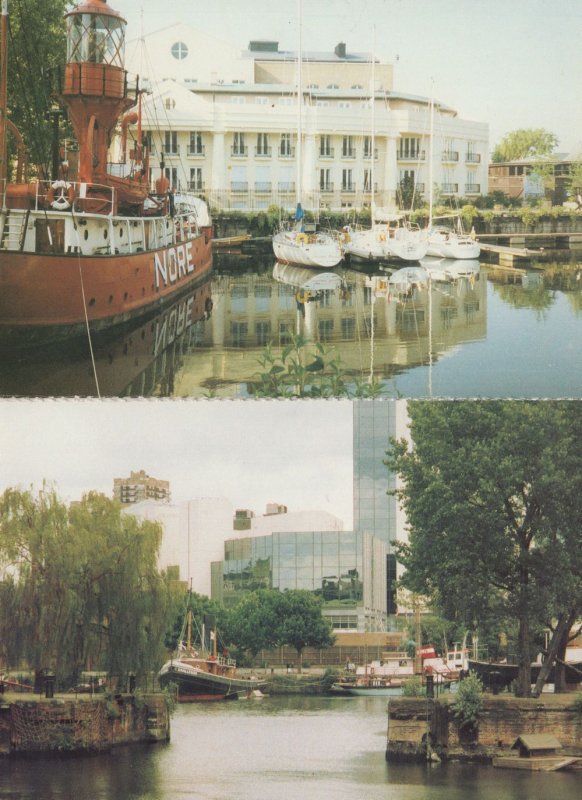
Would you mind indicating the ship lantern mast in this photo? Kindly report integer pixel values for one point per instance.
(95, 85)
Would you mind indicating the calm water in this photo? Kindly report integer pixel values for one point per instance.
(495, 335)
(273, 749)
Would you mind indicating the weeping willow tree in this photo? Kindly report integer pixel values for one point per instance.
(80, 586)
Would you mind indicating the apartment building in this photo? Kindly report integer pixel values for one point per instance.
(232, 134)
(140, 486)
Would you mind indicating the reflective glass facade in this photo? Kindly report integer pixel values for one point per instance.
(346, 569)
(376, 511)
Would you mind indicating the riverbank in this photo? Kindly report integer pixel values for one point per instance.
(33, 725)
(418, 727)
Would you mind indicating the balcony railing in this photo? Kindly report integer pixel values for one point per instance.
(174, 150)
(348, 187)
(262, 186)
(286, 186)
(367, 188)
(192, 152)
(450, 155)
(263, 152)
(239, 186)
(287, 152)
(449, 188)
(415, 155)
(472, 188)
(349, 152)
(238, 151)
(329, 152)
(472, 158)
(196, 186)
(326, 187)
(368, 154)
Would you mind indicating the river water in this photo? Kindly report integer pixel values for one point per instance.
(496, 334)
(273, 749)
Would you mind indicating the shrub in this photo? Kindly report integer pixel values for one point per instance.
(468, 702)
(413, 687)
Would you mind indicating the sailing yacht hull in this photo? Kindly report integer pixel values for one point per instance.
(456, 247)
(301, 250)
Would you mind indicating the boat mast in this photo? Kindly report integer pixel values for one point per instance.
(3, 98)
(430, 159)
(373, 136)
(299, 188)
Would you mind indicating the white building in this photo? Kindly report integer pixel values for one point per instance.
(290, 522)
(225, 125)
(193, 537)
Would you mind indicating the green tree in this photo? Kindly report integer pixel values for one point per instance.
(268, 618)
(80, 586)
(574, 181)
(301, 623)
(493, 496)
(30, 58)
(525, 143)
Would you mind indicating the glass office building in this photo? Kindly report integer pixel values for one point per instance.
(346, 569)
(375, 510)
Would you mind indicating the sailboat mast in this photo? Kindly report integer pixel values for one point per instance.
(3, 97)
(299, 188)
(430, 160)
(373, 136)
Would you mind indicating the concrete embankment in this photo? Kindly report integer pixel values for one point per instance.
(418, 727)
(92, 724)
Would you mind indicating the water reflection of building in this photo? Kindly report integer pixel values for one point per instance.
(345, 569)
(252, 310)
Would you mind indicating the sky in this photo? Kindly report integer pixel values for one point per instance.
(509, 63)
(298, 453)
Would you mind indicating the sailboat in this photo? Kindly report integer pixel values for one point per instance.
(94, 246)
(383, 242)
(444, 241)
(297, 244)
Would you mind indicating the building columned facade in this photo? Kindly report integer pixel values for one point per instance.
(230, 134)
(346, 569)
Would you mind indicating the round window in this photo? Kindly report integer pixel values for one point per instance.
(179, 50)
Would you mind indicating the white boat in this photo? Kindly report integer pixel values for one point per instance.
(444, 242)
(407, 243)
(297, 245)
(316, 249)
(369, 244)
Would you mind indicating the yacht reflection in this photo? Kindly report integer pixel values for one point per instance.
(139, 361)
(353, 311)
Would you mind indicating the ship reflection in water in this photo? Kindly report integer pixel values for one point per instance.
(478, 332)
(138, 361)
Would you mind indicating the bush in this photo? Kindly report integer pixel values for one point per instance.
(468, 702)
(413, 687)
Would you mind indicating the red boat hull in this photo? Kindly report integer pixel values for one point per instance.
(51, 291)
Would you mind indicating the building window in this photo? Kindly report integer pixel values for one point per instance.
(238, 144)
(171, 174)
(325, 148)
(409, 148)
(239, 331)
(263, 332)
(179, 51)
(347, 182)
(348, 150)
(171, 143)
(286, 148)
(195, 184)
(325, 184)
(263, 148)
(195, 148)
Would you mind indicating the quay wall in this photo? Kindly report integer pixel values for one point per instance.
(62, 725)
(420, 726)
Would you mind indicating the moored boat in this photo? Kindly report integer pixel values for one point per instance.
(200, 673)
(93, 246)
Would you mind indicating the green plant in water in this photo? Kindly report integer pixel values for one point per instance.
(303, 370)
(468, 702)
